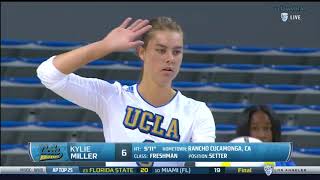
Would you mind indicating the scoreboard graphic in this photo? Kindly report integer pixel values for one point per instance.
(157, 152)
(157, 170)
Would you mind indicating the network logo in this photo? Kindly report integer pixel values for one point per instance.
(284, 17)
(290, 17)
(268, 169)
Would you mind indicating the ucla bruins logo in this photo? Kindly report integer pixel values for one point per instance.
(138, 118)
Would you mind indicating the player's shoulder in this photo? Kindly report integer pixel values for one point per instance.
(123, 86)
(128, 88)
(190, 102)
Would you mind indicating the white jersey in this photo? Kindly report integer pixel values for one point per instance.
(128, 118)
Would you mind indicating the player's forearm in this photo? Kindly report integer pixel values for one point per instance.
(71, 61)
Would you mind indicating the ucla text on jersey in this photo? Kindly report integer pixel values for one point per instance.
(137, 118)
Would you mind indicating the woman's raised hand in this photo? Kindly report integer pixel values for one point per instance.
(127, 35)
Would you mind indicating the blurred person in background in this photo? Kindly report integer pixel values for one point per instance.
(259, 121)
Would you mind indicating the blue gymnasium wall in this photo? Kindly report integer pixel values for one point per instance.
(229, 23)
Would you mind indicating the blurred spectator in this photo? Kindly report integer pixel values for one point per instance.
(259, 121)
